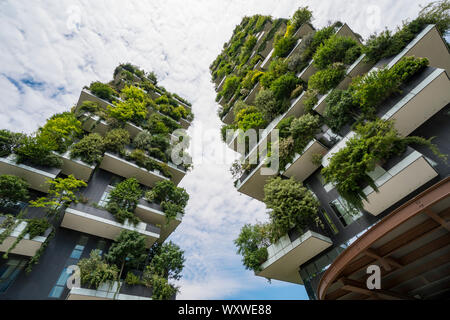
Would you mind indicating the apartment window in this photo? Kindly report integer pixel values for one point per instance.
(344, 212)
(330, 222)
(77, 251)
(101, 246)
(104, 199)
(9, 272)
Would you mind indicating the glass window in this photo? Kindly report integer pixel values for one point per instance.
(333, 227)
(104, 199)
(9, 272)
(343, 211)
(56, 292)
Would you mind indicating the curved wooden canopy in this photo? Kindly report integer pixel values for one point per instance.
(412, 247)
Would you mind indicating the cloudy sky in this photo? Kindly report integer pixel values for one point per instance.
(50, 49)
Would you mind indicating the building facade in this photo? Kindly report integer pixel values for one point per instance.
(122, 131)
(294, 74)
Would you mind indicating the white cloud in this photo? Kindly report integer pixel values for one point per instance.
(68, 44)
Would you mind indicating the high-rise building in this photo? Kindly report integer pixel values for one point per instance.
(58, 199)
(360, 188)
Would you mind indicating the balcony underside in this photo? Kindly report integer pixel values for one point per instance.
(77, 168)
(35, 177)
(103, 226)
(285, 256)
(253, 185)
(127, 169)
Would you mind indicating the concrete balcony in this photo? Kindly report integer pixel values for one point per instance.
(152, 213)
(252, 183)
(420, 46)
(92, 123)
(252, 95)
(36, 176)
(87, 95)
(307, 72)
(76, 167)
(302, 167)
(265, 64)
(109, 291)
(101, 223)
(26, 247)
(228, 118)
(286, 255)
(295, 49)
(404, 177)
(221, 83)
(304, 29)
(423, 98)
(124, 168)
(345, 31)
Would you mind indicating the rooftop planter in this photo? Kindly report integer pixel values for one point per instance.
(35, 175)
(26, 247)
(405, 174)
(101, 223)
(289, 252)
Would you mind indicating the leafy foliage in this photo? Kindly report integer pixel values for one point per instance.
(339, 109)
(293, 206)
(116, 139)
(123, 199)
(334, 50)
(252, 244)
(250, 118)
(9, 142)
(61, 194)
(101, 90)
(173, 199)
(89, 149)
(324, 80)
(94, 270)
(128, 250)
(12, 190)
(36, 151)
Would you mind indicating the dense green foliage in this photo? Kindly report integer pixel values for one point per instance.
(173, 199)
(89, 149)
(9, 142)
(103, 91)
(327, 79)
(60, 131)
(335, 49)
(252, 244)
(12, 190)
(123, 199)
(95, 271)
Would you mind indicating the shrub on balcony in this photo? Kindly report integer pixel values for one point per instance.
(373, 143)
(303, 129)
(61, 194)
(12, 190)
(142, 160)
(324, 80)
(284, 127)
(36, 151)
(283, 86)
(128, 250)
(90, 149)
(123, 199)
(229, 87)
(132, 110)
(101, 90)
(116, 140)
(144, 140)
(250, 118)
(339, 110)
(293, 206)
(334, 49)
(266, 102)
(318, 38)
(94, 270)
(310, 100)
(9, 142)
(162, 289)
(370, 90)
(252, 245)
(166, 260)
(60, 131)
(283, 46)
(301, 15)
(386, 44)
(173, 199)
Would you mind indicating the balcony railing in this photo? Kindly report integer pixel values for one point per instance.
(26, 247)
(35, 175)
(108, 291)
(101, 223)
